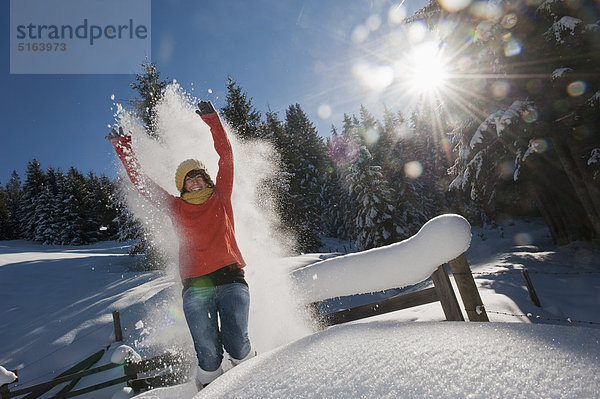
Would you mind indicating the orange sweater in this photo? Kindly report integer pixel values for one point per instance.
(206, 232)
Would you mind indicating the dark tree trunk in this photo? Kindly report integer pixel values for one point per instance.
(558, 204)
(578, 185)
(579, 152)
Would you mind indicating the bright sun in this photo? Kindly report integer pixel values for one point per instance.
(427, 72)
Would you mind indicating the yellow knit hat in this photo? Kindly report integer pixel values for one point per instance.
(184, 168)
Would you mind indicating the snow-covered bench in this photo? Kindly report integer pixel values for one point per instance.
(441, 240)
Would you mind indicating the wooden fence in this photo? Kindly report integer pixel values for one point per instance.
(441, 291)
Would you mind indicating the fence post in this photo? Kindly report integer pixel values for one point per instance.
(446, 295)
(468, 290)
(532, 294)
(117, 322)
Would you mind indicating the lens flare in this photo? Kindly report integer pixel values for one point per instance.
(454, 5)
(175, 313)
(530, 115)
(371, 136)
(324, 111)
(486, 10)
(374, 77)
(500, 89)
(373, 22)
(344, 149)
(539, 145)
(416, 32)
(413, 169)
(512, 48)
(360, 34)
(507, 170)
(509, 20)
(396, 15)
(576, 88)
(446, 28)
(523, 239)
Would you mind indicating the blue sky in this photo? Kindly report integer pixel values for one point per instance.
(279, 52)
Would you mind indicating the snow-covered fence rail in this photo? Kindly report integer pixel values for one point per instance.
(441, 240)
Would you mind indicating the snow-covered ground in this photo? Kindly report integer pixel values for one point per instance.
(56, 304)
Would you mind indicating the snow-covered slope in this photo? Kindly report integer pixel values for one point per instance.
(55, 306)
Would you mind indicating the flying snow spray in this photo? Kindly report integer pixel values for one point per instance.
(276, 317)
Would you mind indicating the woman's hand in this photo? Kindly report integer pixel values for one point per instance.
(114, 134)
(205, 108)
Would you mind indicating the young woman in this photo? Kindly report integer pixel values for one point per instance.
(210, 262)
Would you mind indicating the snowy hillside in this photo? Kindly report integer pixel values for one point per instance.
(56, 305)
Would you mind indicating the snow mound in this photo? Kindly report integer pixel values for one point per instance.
(124, 393)
(6, 377)
(440, 240)
(424, 360)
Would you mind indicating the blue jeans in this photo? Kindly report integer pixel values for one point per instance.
(201, 305)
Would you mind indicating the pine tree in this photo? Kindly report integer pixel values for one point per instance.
(13, 203)
(34, 184)
(273, 130)
(277, 186)
(305, 160)
(44, 231)
(374, 220)
(239, 112)
(4, 215)
(107, 214)
(345, 150)
(128, 226)
(98, 215)
(74, 233)
(60, 210)
(390, 132)
(369, 132)
(372, 196)
(47, 229)
(334, 198)
(432, 157)
(150, 87)
(56, 209)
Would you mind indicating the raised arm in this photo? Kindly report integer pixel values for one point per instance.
(224, 182)
(145, 186)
